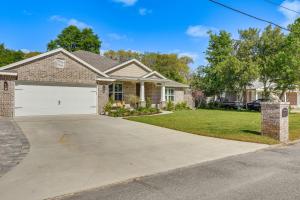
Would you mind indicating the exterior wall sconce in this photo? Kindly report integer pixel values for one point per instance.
(5, 86)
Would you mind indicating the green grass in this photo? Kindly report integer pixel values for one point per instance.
(234, 125)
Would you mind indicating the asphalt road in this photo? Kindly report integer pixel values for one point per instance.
(271, 174)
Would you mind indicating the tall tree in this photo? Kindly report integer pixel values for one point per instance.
(219, 55)
(287, 61)
(8, 56)
(122, 55)
(271, 42)
(246, 53)
(73, 39)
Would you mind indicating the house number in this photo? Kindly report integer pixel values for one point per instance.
(285, 112)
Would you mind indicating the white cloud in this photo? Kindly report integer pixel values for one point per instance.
(69, 22)
(116, 36)
(144, 11)
(198, 31)
(126, 2)
(290, 16)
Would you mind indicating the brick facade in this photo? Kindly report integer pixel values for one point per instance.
(102, 91)
(44, 70)
(7, 96)
(273, 122)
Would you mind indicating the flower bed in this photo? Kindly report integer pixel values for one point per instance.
(124, 112)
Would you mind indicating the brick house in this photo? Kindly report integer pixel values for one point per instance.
(61, 82)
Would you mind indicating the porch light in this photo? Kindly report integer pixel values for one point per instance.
(5, 86)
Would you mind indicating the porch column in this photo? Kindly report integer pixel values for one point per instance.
(142, 94)
(163, 96)
(285, 97)
(256, 95)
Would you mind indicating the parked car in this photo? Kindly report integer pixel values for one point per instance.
(232, 104)
(255, 105)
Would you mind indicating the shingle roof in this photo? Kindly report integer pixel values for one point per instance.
(172, 83)
(101, 63)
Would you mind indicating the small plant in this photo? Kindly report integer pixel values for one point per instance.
(133, 101)
(181, 106)
(108, 107)
(170, 106)
(148, 102)
(202, 104)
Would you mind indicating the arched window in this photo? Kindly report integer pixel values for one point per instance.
(5, 86)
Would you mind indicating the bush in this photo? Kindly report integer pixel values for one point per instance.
(202, 104)
(182, 106)
(123, 112)
(148, 102)
(170, 106)
(133, 101)
(108, 106)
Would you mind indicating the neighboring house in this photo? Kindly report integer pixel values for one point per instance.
(60, 82)
(256, 89)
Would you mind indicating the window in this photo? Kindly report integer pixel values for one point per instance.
(5, 86)
(59, 63)
(170, 94)
(116, 91)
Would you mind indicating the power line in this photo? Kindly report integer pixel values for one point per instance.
(279, 5)
(249, 15)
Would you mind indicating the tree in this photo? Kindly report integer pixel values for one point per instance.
(122, 55)
(216, 76)
(246, 54)
(271, 42)
(73, 39)
(287, 62)
(8, 56)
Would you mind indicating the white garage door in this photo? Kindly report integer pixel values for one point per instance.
(54, 100)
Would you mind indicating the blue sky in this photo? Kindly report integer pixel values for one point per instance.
(167, 26)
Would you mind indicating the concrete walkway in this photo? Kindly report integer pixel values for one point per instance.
(13, 145)
(74, 153)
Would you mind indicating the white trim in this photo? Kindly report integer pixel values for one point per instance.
(8, 73)
(154, 73)
(106, 79)
(127, 62)
(50, 53)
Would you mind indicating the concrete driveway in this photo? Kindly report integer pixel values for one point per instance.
(74, 153)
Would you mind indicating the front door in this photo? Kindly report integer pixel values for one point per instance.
(138, 87)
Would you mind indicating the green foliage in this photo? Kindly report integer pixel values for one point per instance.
(108, 106)
(8, 56)
(182, 106)
(133, 100)
(73, 39)
(148, 102)
(169, 65)
(123, 112)
(170, 106)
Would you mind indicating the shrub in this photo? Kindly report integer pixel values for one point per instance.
(133, 101)
(108, 106)
(148, 102)
(202, 104)
(170, 106)
(181, 106)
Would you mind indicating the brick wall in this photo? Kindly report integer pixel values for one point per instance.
(273, 123)
(44, 70)
(129, 88)
(103, 97)
(152, 91)
(7, 97)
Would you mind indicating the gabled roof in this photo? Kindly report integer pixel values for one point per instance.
(155, 73)
(102, 63)
(13, 65)
(126, 63)
(172, 83)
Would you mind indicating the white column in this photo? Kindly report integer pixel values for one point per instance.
(285, 97)
(142, 91)
(256, 95)
(163, 93)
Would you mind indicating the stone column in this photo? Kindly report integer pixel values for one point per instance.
(142, 94)
(163, 96)
(103, 97)
(7, 95)
(275, 120)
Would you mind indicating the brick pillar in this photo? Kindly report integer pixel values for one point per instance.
(7, 96)
(275, 120)
(103, 97)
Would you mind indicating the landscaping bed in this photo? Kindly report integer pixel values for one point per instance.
(234, 125)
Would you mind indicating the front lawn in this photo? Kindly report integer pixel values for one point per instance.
(235, 125)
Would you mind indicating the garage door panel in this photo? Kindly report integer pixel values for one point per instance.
(54, 100)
